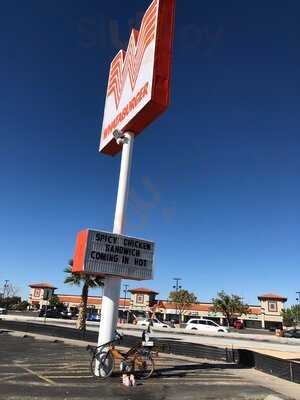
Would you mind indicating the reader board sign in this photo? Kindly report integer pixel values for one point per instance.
(102, 253)
(138, 88)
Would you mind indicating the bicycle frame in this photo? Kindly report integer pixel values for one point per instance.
(137, 355)
(117, 354)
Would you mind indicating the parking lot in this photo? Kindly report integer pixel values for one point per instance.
(32, 368)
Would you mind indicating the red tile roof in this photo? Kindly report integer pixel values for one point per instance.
(200, 307)
(92, 300)
(76, 299)
(42, 285)
(142, 290)
(254, 310)
(204, 307)
(271, 296)
(193, 307)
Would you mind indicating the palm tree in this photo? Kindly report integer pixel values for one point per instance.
(88, 282)
(229, 305)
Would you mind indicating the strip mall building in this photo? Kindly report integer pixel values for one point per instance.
(142, 301)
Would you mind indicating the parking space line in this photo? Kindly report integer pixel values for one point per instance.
(43, 378)
(58, 367)
(65, 370)
(8, 373)
(70, 376)
(13, 376)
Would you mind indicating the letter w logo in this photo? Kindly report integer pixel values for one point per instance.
(129, 63)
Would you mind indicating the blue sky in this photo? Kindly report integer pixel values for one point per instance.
(215, 180)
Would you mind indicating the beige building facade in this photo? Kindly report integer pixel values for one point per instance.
(143, 302)
(271, 308)
(39, 294)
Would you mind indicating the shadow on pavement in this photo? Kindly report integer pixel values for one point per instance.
(194, 367)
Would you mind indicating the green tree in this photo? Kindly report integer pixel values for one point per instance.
(88, 282)
(229, 305)
(55, 302)
(183, 299)
(22, 305)
(291, 316)
(10, 302)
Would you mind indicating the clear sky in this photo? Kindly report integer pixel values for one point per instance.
(215, 180)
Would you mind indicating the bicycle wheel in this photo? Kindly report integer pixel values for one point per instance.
(143, 366)
(102, 364)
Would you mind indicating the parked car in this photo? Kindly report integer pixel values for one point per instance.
(156, 323)
(238, 324)
(292, 333)
(3, 310)
(205, 325)
(65, 314)
(272, 328)
(94, 317)
(49, 313)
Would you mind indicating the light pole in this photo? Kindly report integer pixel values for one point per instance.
(177, 287)
(126, 286)
(297, 307)
(5, 288)
(46, 303)
(5, 291)
(263, 313)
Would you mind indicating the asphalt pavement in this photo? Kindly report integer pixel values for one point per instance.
(257, 342)
(48, 369)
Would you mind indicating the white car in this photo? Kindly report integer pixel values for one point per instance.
(156, 323)
(205, 325)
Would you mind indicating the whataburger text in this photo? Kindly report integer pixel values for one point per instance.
(133, 103)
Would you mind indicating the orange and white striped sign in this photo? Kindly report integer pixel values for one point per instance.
(139, 79)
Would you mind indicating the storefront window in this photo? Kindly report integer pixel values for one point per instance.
(272, 306)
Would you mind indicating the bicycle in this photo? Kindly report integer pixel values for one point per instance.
(137, 360)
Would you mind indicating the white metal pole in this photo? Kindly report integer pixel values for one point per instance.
(112, 285)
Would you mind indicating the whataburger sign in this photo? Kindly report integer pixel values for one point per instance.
(139, 79)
